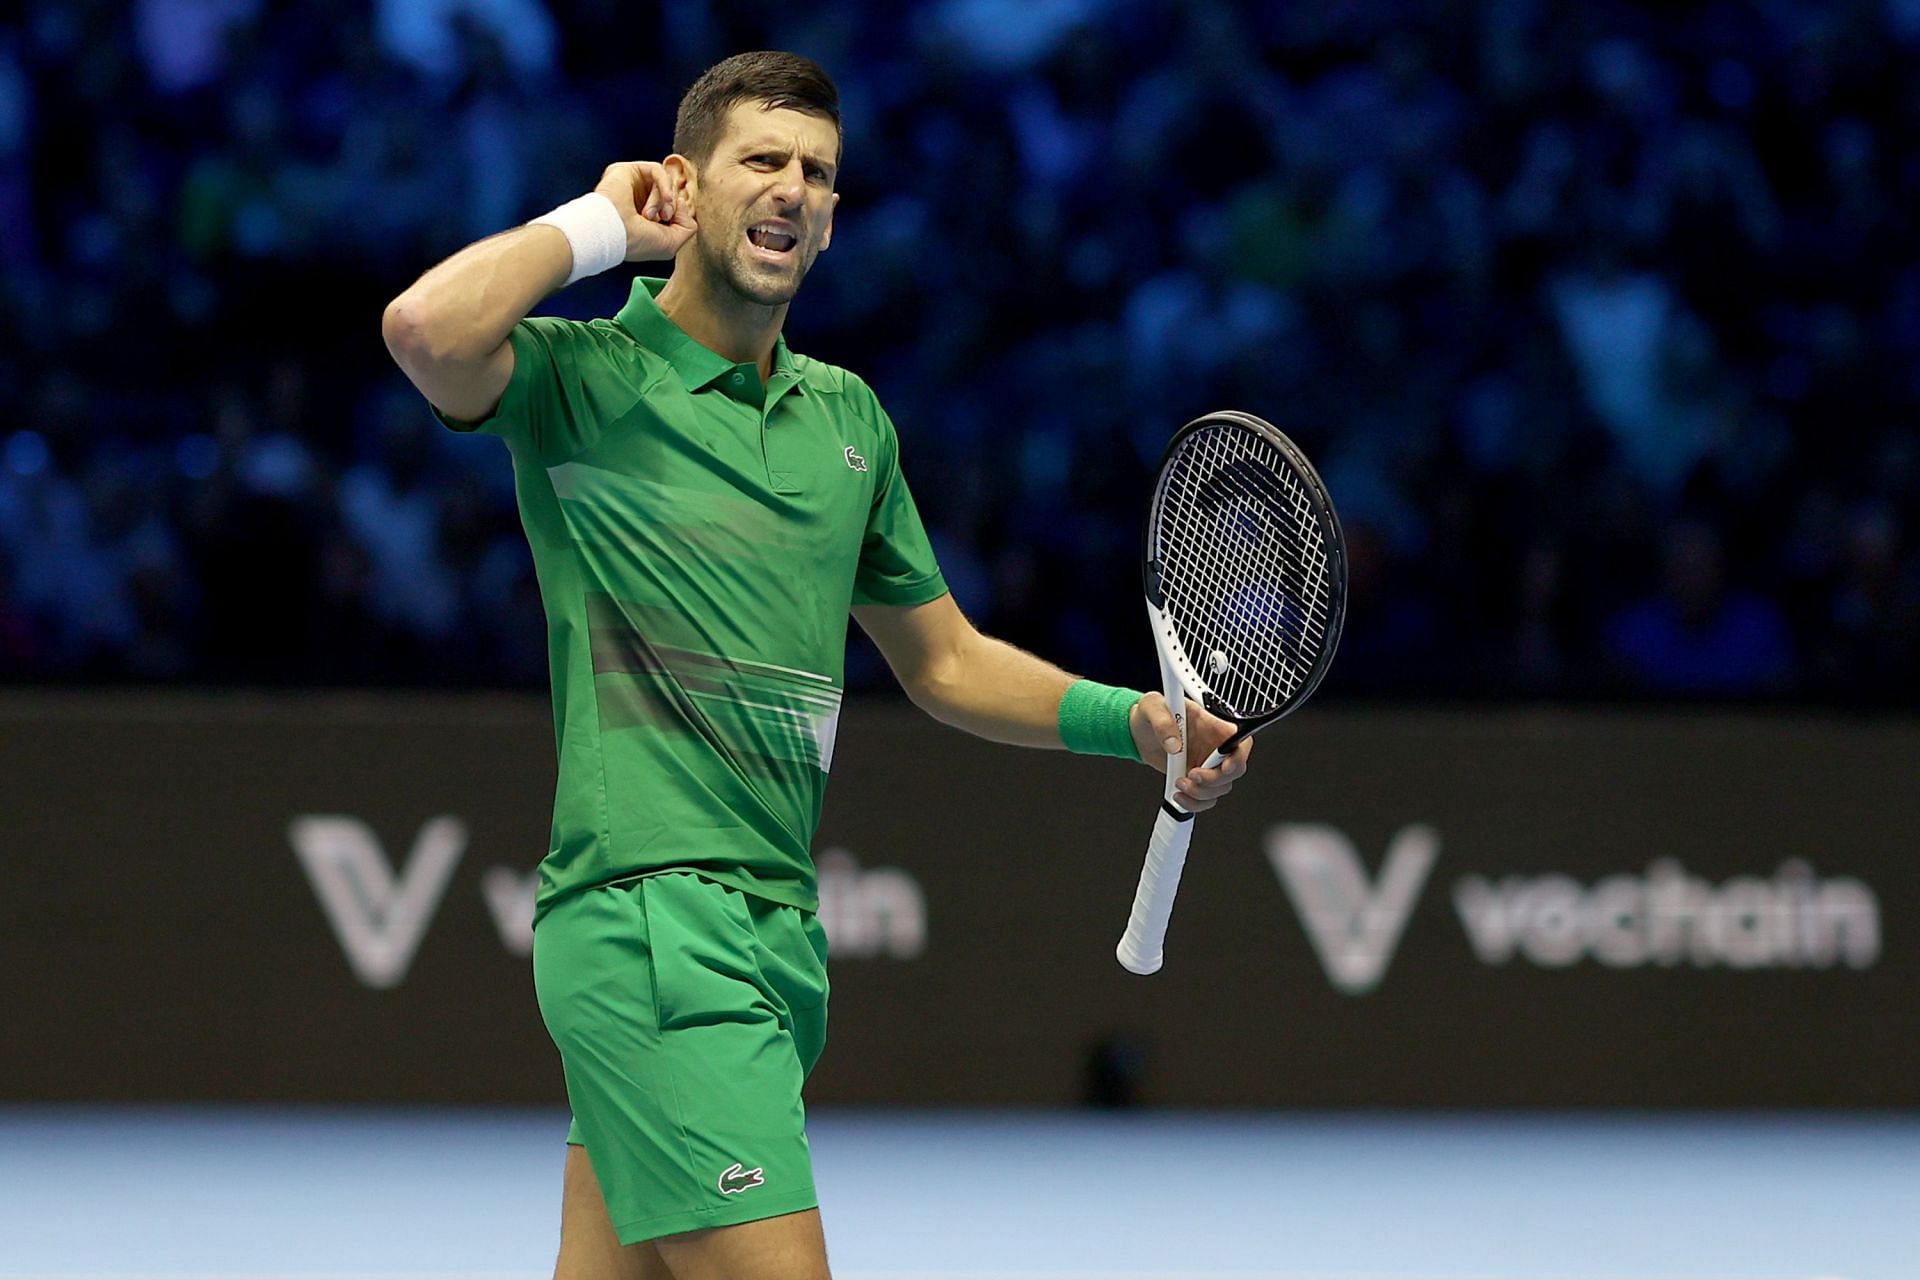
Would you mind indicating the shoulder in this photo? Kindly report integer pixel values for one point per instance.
(832, 380)
(588, 344)
(844, 389)
(587, 336)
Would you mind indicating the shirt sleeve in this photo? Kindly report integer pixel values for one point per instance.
(897, 565)
(547, 401)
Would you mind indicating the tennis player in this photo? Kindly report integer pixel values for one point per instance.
(705, 507)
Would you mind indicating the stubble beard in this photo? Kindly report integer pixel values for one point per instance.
(729, 265)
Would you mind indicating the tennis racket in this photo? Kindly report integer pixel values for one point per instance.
(1246, 583)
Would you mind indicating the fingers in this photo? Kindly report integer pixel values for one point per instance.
(1200, 787)
(1160, 722)
(659, 204)
(621, 183)
(640, 185)
(655, 208)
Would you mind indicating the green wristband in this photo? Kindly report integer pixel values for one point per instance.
(1094, 720)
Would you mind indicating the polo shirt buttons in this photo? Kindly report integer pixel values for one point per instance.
(738, 377)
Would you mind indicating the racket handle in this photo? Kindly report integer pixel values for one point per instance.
(1141, 946)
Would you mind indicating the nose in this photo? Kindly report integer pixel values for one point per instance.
(790, 184)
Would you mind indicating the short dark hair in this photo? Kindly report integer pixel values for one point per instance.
(773, 79)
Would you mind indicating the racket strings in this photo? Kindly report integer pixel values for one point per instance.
(1278, 642)
(1244, 612)
(1244, 567)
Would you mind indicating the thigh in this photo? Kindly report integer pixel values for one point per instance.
(683, 1077)
(589, 1249)
(790, 1247)
(793, 967)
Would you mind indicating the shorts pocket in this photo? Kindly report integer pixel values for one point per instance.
(704, 966)
(794, 956)
(794, 960)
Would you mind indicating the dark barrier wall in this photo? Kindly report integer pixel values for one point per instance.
(327, 898)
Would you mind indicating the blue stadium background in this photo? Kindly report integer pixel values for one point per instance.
(1603, 320)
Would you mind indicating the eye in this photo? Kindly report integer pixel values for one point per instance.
(816, 174)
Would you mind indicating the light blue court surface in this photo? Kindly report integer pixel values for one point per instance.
(196, 1192)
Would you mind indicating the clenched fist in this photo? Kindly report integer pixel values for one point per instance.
(1156, 736)
(657, 223)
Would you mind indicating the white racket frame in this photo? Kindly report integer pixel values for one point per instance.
(1142, 947)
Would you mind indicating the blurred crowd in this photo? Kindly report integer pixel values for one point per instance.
(1603, 321)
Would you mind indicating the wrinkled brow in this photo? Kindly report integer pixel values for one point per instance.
(782, 149)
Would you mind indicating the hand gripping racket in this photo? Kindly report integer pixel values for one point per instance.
(1246, 582)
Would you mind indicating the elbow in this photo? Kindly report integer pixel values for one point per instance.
(935, 689)
(405, 331)
(418, 338)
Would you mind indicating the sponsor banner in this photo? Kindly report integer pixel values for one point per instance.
(330, 898)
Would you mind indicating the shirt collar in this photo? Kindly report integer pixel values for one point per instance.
(697, 365)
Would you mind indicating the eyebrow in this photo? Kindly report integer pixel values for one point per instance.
(782, 149)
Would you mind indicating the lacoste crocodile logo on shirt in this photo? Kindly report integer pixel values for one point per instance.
(855, 461)
(734, 1179)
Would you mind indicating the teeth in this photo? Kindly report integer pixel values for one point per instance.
(761, 235)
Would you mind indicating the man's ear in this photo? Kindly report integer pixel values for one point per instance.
(683, 177)
(826, 235)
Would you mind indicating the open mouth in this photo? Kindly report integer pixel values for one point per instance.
(772, 239)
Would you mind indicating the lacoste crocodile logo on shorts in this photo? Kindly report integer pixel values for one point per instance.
(855, 461)
(735, 1180)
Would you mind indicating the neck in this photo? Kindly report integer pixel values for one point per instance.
(718, 318)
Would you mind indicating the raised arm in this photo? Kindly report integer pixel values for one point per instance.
(994, 690)
(448, 331)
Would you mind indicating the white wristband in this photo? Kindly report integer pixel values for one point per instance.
(595, 232)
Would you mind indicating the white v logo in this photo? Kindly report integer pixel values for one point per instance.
(378, 920)
(1354, 931)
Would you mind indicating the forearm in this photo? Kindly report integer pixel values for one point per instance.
(996, 691)
(448, 332)
(463, 309)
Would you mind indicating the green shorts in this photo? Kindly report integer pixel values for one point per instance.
(687, 1015)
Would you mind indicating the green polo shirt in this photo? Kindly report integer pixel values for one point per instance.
(698, 539)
